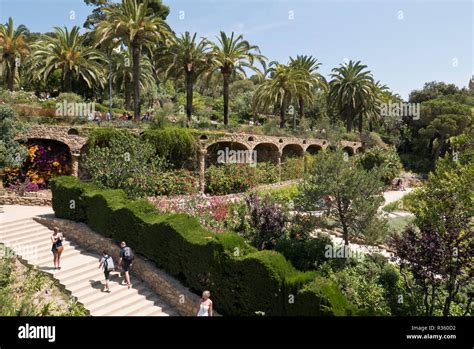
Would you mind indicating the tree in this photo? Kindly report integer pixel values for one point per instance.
(285, 85)
(122, 74)
(309, 67)
(351, 91)
(355, 193)
(432, 90)
(443, 119)
(65, 50)
(134, 23)
(13, 47)
(231, 56)
(439, 255)
(189, 58)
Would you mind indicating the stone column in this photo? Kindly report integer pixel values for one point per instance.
(75, 155)
(202, 169)
(280, 154)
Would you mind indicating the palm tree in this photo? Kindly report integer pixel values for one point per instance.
(12, 46)
(285, 85)
(189, 58)
(122, 74)
(138, 28)
(65, 50)
(351, 91)
(230, 56)
(308, 66)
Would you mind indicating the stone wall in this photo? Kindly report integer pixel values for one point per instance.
(42, 198)
(168, 288)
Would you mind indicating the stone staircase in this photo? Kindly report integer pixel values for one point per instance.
(80, 273)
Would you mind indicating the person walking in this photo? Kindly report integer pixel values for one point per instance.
(205, 308)
(125, 261)
(57, 248)
(107, 263)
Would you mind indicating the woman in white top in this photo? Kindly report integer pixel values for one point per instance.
(205, 308)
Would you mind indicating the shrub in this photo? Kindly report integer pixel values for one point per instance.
(282, 195)
(292, 168)
(230, 178)
(267, 220)
(266, 173)
(176, 145)
(386, 161)
(305, 254)
(242, 280)
(69, 97)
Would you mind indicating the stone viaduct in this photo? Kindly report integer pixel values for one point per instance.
(268, 148)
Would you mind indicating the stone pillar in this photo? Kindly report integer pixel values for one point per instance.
(202, 169)
(75, 163)
(280, 154)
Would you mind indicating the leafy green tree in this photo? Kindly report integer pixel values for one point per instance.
(351, 91)
(230, 56)
(355, 195)
(13, 47)
(65, 50)
(385, 161)
(432, 90)
(186, 57)
(439, 255)
(137, 27)
(443, 119)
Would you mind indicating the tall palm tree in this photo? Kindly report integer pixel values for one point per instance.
(230, 56)
(351, 91)
(65, 50)
(122, 74)
(132, 21)
(12, 46)
(308, 66)
(285, 85)
(189, 58)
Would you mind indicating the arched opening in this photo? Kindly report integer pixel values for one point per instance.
(292, 150)
(73, 132)
(203, 137)
(251, 139)
(267, 152)
(359, 150)
(223, 152)
(348, 150)
(293, 163)
(46, 159)
(313, 149)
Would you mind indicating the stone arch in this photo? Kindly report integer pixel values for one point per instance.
(214, 148)
(54, 147)
(267, 152)
(292, 150)
(348, 150)
(313, 149)
(73, 132)
(359, 150)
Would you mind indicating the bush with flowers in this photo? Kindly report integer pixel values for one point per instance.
(45, 160)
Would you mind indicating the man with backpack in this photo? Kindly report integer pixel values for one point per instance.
(126, 259)
(107, 263)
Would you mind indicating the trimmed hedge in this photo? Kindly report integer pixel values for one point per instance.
(242, 280)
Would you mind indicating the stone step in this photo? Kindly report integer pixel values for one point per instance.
(11, 234)
(136, 300)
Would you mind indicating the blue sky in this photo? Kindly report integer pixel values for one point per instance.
(404, 43)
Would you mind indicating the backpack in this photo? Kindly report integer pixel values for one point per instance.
(128, 254)
(108, 263)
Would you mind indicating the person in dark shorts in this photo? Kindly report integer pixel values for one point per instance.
(57, 248)
(107, 263)
(126, 259)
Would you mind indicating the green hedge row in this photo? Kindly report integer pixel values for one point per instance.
(241, 279)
